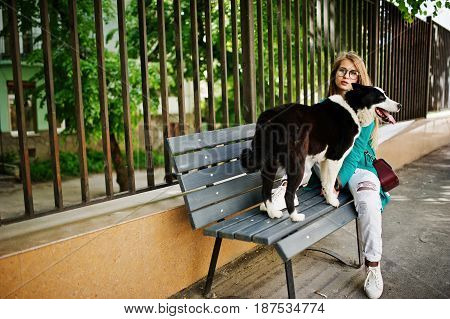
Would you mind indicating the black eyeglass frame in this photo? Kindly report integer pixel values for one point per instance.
(354, 77)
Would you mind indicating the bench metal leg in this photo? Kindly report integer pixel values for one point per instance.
(212, 266)
(342, 259)
(289, 279)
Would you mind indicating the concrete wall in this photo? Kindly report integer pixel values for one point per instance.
(152, 256)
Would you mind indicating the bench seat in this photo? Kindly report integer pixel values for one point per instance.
(223, 200)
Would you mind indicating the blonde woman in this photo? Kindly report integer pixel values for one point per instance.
(357, 172)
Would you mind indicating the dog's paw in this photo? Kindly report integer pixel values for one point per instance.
(333, 201)
(275, 214)
(296, 217)
(263, 207)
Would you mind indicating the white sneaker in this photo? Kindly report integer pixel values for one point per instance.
(373, 285)
(278, 198)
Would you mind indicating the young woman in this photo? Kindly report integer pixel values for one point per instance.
(358, 173)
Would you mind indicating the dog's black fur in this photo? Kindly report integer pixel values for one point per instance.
(285, 135)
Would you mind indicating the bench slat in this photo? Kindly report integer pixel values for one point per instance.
(217, 193)
(247, 234)
(283, 229)
(189, 161)
(186, 143)
(212, 213)
(221, 227)
(210, 175)
(214, 229)
(312, 233)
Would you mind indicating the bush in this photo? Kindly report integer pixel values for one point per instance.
(41, 170)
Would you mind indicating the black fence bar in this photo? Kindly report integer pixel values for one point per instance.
(271, 53)
(338, 18)
(223, 65)
(298, 84)
(402, 68)
(381, 49)
(305, 22)
(195, 64)
(280, 19)
(261, 84)
(326, 27)
(78, 100)
(318, 41)
(289, 51)
(51, 108)
(180, 65)
(145, 92)
(20, 109)
(164, 85)
(409, 68)
(396, 55)
(332, 14)
(387, 49)
(236, 86)
(103, 97)
(311, 12)
(125, 94)
(209, 67)
(365, 31)
(248, 60)
(353, 22)
(358, 27)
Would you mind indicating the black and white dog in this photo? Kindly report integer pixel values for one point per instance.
(296, 136)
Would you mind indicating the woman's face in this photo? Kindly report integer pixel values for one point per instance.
(343, 82)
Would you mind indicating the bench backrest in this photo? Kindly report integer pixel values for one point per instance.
(207, 166)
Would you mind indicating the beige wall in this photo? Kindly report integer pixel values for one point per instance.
(152, 257)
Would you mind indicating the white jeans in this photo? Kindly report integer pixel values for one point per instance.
(365, 188)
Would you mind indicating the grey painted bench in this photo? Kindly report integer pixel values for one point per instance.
(223, 200)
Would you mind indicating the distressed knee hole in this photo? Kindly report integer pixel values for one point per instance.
(366, 186)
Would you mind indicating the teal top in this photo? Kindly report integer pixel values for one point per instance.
(357, 158)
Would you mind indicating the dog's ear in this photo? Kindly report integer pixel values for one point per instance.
(356, 86)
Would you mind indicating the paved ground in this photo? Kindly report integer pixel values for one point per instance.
(416, 249)
(11, 195)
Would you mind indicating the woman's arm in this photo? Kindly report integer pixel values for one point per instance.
(355, 155)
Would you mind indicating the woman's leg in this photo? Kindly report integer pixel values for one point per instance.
(365, 188)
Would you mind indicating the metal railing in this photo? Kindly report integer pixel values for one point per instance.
(267, 37)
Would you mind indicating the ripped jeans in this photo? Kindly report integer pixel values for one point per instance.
(365, 188)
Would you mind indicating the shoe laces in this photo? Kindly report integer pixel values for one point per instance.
(373, 274)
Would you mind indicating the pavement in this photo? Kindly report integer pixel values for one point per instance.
(416, 249)
(11, 193)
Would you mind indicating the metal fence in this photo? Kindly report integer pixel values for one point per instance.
(440, 69)
(281, 51)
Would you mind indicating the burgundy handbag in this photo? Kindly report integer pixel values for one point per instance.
(386, 175)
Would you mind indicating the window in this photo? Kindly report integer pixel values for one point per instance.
(30, 106)
(26, 37)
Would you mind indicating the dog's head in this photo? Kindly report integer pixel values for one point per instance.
(369, 100)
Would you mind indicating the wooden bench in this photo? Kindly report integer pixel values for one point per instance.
(223, 200)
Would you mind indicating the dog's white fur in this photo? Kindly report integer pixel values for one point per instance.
(329, 169)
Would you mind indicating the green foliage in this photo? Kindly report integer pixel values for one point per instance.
(41, 170)
(62, 67)
(410, 9)
(9, 158)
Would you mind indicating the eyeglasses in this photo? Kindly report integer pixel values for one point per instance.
(352, 74)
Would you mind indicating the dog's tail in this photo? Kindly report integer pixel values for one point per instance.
(252, 159)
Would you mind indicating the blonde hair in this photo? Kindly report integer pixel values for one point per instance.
(363, 79)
